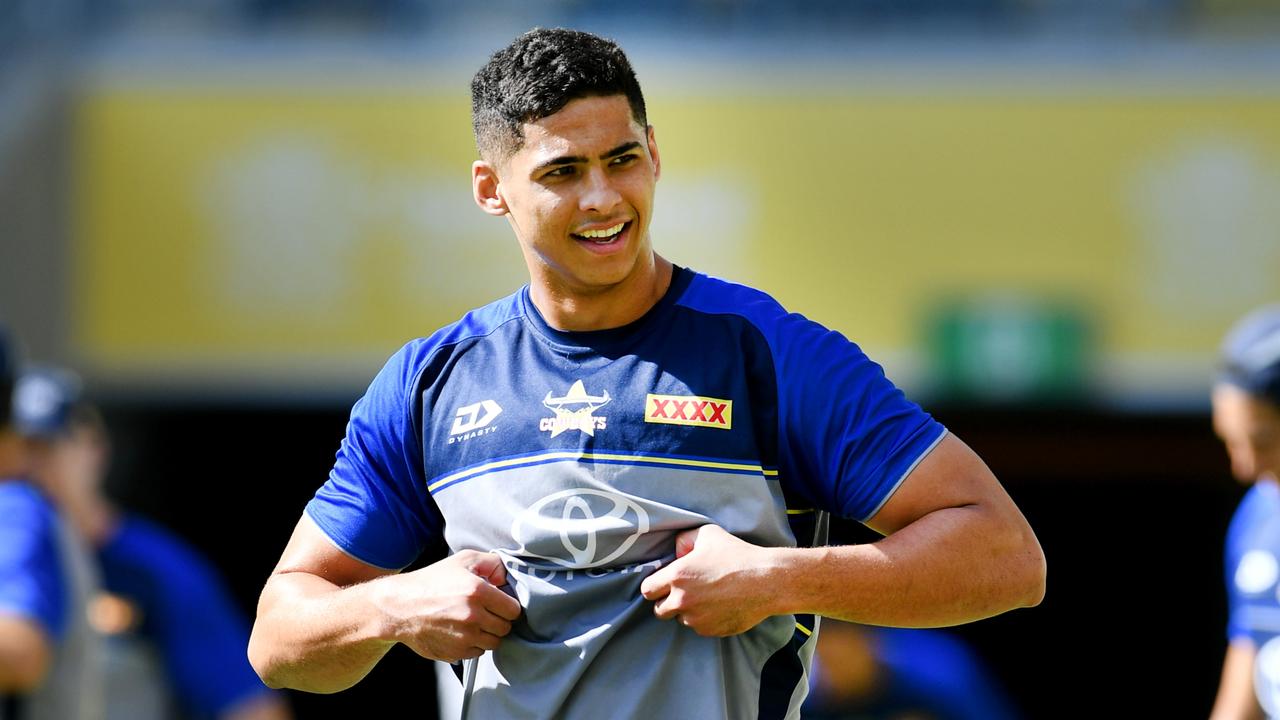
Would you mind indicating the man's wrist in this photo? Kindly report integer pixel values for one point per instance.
(789, 582)
(383, 625)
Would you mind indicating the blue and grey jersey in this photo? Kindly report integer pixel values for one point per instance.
(1253, 586)
(47, 578)
(579, 456)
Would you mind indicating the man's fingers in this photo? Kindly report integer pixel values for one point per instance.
(657, 585)
(669, 606)
(492, 624)
(488, 566)
(488, 641)
(498, 602)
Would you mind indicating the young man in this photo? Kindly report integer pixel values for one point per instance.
(629, 462)
(1246, 415)
(50, 660)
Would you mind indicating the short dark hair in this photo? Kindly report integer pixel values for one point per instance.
(537, 75)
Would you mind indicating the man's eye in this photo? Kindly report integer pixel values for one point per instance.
(563, 171)
(624, 160)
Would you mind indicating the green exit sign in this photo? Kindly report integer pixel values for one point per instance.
(1009, 349)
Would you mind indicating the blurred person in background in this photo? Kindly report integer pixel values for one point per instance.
(1246, 416)
(864, 672)
(50, 659)
(175, 641)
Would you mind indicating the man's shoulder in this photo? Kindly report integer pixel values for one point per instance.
(1260, 505)
(775, 323)
(19, 497)
(718, 296)
(28, 527)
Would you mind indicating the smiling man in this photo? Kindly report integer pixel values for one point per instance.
(630, 463)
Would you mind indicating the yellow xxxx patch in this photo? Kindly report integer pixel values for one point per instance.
(689, 410)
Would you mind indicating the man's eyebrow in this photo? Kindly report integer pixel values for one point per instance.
(574, 159)
(621, 149)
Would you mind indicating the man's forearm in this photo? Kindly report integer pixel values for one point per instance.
(315, 636)
(25, 654)
(951, 566)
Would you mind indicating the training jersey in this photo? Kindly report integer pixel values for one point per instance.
(579, 456)
(1253, 593)
(189, 649)
(46, 578)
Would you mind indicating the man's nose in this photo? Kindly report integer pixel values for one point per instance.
(599, 195)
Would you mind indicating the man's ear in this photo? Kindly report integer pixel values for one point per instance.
(486, 188)
(653, 153)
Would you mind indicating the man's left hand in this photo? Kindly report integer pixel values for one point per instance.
(717, 586)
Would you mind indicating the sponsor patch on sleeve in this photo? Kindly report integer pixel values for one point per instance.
(689, 410)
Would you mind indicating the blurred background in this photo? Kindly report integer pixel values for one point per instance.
(1039, 215)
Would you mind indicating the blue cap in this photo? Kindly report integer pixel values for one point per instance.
(1251, 354)
(42, 402)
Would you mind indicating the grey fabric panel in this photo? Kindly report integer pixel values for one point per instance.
(73, 689)
(135, 675)
(577, 541)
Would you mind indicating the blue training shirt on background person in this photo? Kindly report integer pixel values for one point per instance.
(1252, 567)
(186, 612)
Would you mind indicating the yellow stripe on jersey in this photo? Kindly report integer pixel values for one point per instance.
(603, 457)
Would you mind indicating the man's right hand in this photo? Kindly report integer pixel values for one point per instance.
(325, 618)
(450, 610)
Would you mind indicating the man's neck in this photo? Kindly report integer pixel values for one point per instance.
(619, 305)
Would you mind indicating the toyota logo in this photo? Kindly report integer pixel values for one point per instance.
(580, 528)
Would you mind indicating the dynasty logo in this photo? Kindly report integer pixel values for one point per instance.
(574, 411)
(473, 421)
(689, 410)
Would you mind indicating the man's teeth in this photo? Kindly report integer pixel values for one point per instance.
(606, 233)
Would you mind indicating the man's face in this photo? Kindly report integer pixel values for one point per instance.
(1250, 428)
(579, 196)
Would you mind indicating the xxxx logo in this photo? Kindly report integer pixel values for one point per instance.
(689, 410)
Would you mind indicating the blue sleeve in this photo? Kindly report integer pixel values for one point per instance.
(375, 505)
(849, 437)
(1242, 522)
(188, 614)
(31, 582)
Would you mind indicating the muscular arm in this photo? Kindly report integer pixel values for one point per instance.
(325, 619)
(25, 654)
(1236, 699)
(956, 549)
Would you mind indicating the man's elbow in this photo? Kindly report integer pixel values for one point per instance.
(261, 660)
(1032, 570)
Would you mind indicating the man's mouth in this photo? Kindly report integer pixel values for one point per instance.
(603, 236)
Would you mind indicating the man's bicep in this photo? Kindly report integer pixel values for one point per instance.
(951, 475)
(311, 551)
